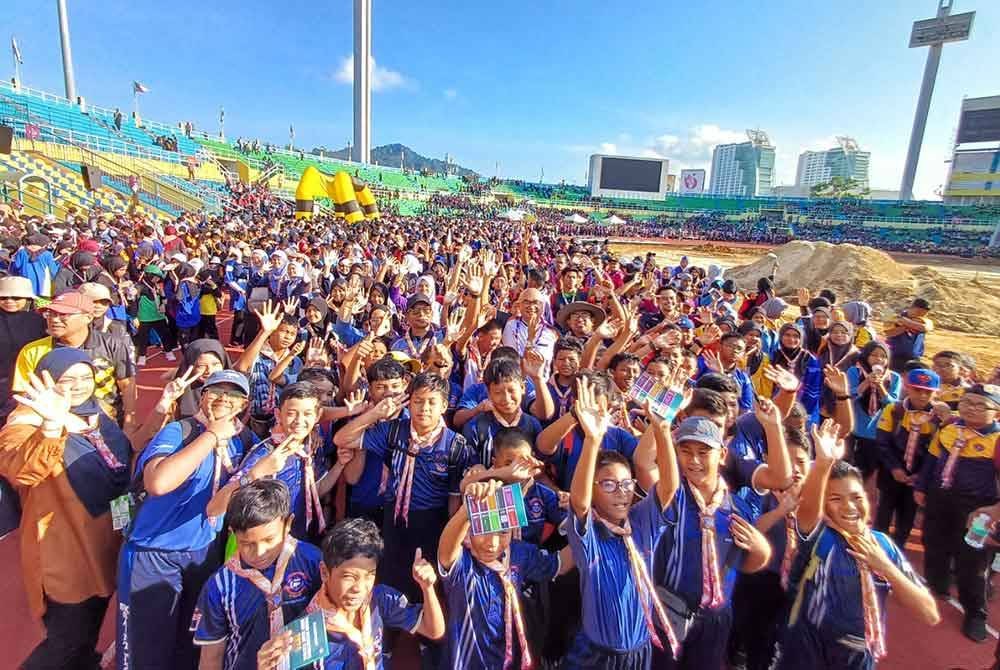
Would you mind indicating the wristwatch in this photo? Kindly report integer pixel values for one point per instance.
(245, 479)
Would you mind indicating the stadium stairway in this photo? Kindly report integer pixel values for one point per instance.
(66, 187)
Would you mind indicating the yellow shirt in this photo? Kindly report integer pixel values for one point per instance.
(209, 305)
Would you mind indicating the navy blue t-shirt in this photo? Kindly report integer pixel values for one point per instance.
(480, 430)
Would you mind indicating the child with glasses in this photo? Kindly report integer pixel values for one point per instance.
(612, 541)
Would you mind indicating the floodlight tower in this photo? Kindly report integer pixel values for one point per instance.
(67, 52)
(933, 33)
(362, 81)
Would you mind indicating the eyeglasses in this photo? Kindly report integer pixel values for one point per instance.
(976, 406)
(612, 485)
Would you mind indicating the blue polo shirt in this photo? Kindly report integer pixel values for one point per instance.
(476, 601)
(176, 521)
(612, 613)
(541, 504)
(477, 393)
(367, 493)
(746, 451)
(438, 469)
(739, 376)
(233, 610)
(293, 475)
(390, 609)
(677, 561)
(480, 431)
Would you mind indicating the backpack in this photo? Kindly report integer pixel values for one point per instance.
(457, 444)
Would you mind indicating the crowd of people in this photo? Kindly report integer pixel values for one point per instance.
(709, 475)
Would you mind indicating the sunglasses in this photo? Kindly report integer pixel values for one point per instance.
(612, 485)
(223, 393)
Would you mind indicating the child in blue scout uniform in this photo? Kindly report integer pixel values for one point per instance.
(483, 581)
(751, 472)
(565, 364)
(386, 379)
(266, 586)
(843, 572)
(759, 598)
(475, 398)
(707, 538)
(953, 368)
(904, 433)
(358, 611)
(959, 475)
(307, 474)
(561, 442)
(505, 389)
(426, 462)
(612, 542)
(170, 551)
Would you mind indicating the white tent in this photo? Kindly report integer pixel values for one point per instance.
(513, 215)
(574, 218)
(613, 220)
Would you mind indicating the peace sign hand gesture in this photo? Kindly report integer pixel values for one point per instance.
(46, 400)
(175, 388)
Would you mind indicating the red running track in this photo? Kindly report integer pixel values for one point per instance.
(911, 646)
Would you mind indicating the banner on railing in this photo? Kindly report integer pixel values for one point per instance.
(692, 181)
(32, 132)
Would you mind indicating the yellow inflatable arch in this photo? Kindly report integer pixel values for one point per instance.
(353, 200)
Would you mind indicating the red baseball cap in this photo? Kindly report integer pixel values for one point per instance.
(70, 302)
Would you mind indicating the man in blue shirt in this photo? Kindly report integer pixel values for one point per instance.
(37, 263)
(171, 548)
(906, 334)
(264, 587)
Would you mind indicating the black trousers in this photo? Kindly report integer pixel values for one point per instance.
(236, 333)
(166, 336)
(207, 327)
(71, 632)
(759, 607)
(945, 522)
(865, 456)
(895, 501)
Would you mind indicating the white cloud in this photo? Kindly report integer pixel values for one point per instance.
(450, 94)
(383, 78)
(608, 148)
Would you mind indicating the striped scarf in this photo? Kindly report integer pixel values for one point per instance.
(363, 637)
(917, 419)
(643, 585)
(711, 581)
(405, 491)
(271, 589)
(512, 618)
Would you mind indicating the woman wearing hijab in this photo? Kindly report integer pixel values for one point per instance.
(278, 275)
(68, 461)
(204, 356)
(316, 322)
(858, 312)
(428, 287)
(815, 327)
(872, 386)
(790, 355)
(765, 291)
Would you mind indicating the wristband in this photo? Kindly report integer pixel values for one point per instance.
(843, 397)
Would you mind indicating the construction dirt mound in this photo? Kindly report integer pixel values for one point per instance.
(864, 273)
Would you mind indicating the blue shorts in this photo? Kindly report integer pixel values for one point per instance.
(157, 594)
(585, 655)
(803, 646)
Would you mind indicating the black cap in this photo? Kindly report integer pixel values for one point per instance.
(921, 303)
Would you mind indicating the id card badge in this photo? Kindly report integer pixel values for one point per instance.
(121, 512)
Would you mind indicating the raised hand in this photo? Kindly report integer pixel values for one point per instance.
(667, 340)
(355, 402)
(590, 413)
(609, 329)
(710, 334)
(532, 363)
(275, 461)
(475, 282)
(712, 361)
(835, 380)
(788, 500)
(866, 549)
(270, 317)
(424, 573)
(803, 297)
(316, 353)
(223, 424)
(480, 491)
(782, 378)
(176, 387)
(388, 407)
(454, 327)
(291, 305)
(745, 536)
(533, 323)
(829, 447)
(52, 405)
(767, 413)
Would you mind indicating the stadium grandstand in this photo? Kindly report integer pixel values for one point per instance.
(167, 169)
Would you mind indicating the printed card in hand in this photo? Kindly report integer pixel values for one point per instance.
(663, 400)
(498, 513)
(309, 641)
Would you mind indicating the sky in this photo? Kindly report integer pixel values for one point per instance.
(519, 88)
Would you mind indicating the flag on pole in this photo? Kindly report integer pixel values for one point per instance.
(222, 114)
(139, 87)
(16, 50)
(291, 131)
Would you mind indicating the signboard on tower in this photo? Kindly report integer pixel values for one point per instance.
(692, 181)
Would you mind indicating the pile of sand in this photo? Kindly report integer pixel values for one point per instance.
(862, 272)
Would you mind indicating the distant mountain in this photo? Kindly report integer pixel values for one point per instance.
(389, 155)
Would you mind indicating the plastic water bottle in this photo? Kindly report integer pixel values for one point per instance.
(976, 535)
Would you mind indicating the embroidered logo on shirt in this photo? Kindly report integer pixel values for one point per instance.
(296, 584)
(535, 509)
(441, 462)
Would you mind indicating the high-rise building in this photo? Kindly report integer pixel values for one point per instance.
(845, 160)
(743, 169)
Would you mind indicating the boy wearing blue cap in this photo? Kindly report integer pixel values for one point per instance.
(904, 432)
